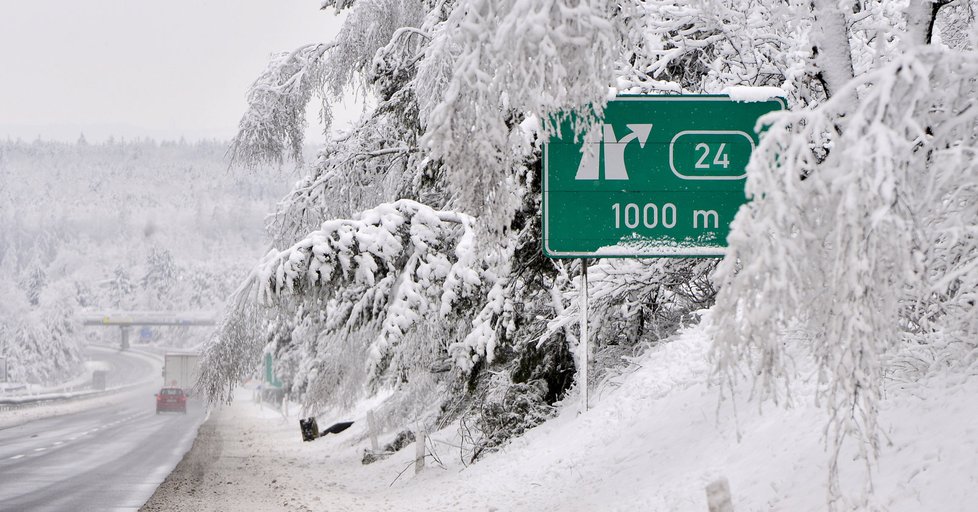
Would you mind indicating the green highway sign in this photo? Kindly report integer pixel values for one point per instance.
(270, 376)
(658, 176)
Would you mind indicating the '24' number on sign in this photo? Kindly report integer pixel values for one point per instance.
(719, 158)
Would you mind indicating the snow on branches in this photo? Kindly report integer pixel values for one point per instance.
(275, 120)
(705, 46)
(386, 269)
(274, 123)
(39, 342)
(387, 262)
(861, 232)
(508, 58)
(861, 229)
(370, 26)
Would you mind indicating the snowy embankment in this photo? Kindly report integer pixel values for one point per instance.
(651, 442)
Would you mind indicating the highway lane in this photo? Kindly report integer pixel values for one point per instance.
(111, 456)
(127, 367)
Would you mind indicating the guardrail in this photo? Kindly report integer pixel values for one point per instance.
(15, 402)
(11, 403)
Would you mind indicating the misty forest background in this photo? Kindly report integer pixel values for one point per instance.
(118, 225)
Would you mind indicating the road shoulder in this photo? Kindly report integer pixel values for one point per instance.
(230, 467)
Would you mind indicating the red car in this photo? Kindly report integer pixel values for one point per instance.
(171, 399)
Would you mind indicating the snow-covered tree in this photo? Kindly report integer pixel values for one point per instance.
(34, 283)
(860, 244)
(465, 97)
(159, 278)
(119, 288)
(38, 338)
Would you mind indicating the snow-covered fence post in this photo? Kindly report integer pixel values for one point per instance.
(718, 496)
(372, 430)
(583, 349)
(419, 440)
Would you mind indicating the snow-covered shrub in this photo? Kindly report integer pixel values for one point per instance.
(508, 410)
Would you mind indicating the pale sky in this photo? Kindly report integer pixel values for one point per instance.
(139, 68)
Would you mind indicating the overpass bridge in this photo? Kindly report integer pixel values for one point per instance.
(127, 319)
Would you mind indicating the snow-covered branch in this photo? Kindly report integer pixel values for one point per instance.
(273, 126)
(506, 59)
(387, 267)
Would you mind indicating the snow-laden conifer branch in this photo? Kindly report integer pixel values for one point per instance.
(482, 339)
(401, 53)
(389, 267)
(273, 126)
(376, 161)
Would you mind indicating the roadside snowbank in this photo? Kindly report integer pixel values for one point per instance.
(652, 443)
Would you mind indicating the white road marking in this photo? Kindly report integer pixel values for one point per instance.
(56, 443)
(41, 449)
(15, 457)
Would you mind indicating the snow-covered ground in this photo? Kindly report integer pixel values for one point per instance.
(651, 443)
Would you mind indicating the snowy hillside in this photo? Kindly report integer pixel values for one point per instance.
(411, 266)
(653, 440)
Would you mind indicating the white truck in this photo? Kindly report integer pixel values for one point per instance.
(180, 370)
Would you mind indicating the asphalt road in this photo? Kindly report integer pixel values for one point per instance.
(108, 457)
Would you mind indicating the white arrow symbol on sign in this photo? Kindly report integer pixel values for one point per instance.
(614, 151)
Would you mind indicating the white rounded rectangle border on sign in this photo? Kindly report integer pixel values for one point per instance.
(672, 160)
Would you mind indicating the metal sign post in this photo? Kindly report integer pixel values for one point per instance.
(584, 345)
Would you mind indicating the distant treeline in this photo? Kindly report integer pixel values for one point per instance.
(122, 224)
